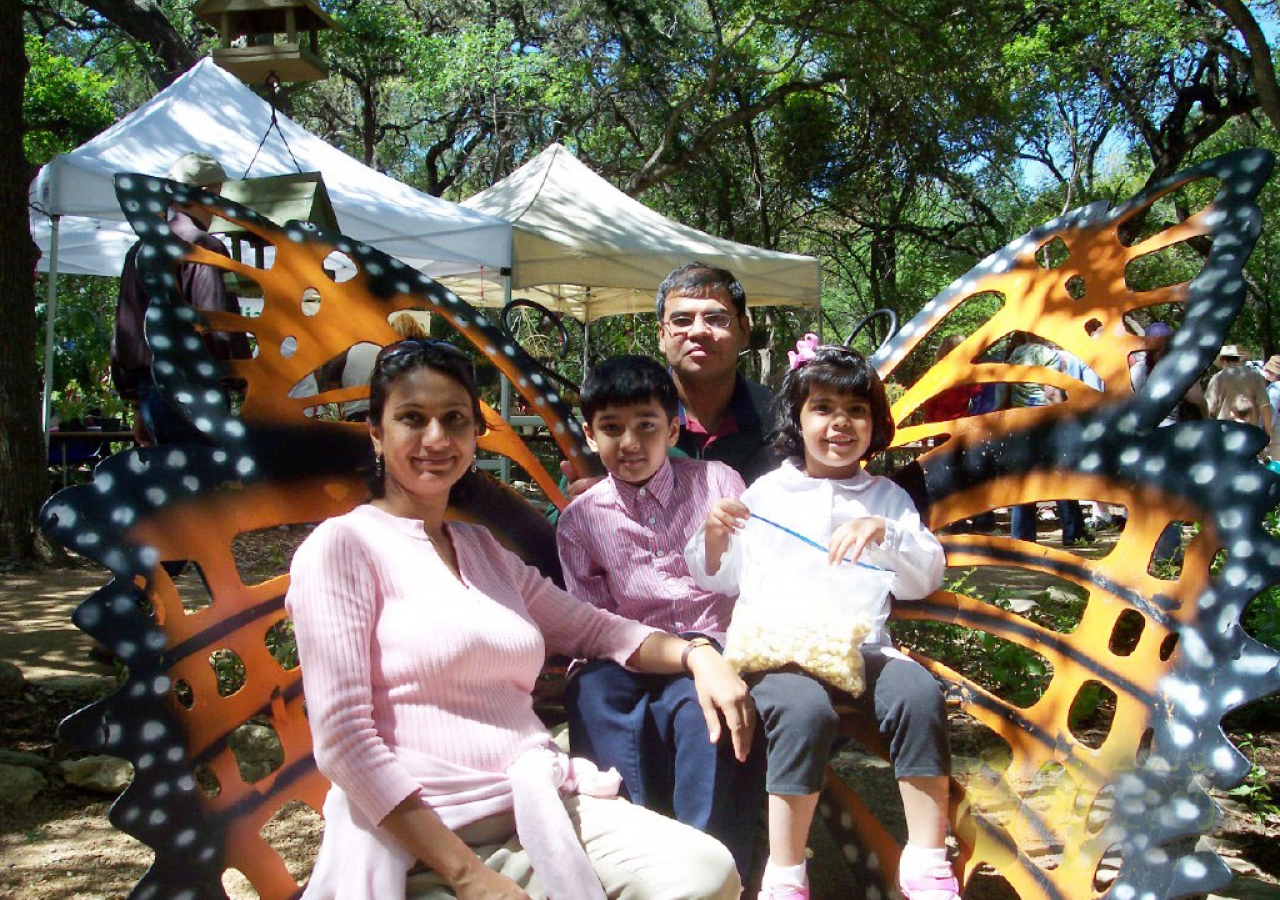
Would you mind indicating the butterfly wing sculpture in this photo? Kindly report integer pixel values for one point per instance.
(1056, 817)
(152, 511)
(1060, 813)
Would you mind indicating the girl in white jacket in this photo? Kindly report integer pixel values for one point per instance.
(834, 416)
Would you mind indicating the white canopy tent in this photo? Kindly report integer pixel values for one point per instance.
(80, 229)
(584, 248)
(210, 109)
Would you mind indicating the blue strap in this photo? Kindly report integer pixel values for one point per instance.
(814, 544)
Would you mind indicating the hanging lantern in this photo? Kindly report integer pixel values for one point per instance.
(259, 39)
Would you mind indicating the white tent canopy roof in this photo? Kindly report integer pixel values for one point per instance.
(584, 248)
(209, 109)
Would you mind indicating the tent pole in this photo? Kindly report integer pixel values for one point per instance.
(50, 313)
(586, 343)
(504, 404)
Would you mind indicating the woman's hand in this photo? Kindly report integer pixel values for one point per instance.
(420, 830)
(482, 883)
(851, 537)
(726, 517)
(721, 691)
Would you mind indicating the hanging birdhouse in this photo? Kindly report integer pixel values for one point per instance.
(280, 199)
(258, 39)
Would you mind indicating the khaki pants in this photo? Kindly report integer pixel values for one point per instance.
(638, 854)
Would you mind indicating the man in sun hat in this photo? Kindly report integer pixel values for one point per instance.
(1230, 355)
(156, 420)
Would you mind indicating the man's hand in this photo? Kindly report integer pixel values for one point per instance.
(725, 518)
(577, 486)
(851, 537)
(721, 691)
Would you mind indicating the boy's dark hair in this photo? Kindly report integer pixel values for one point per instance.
(623, 380)
(842, 371)
(694, 275)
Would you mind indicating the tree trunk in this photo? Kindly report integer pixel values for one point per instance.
(23, 476)
(1264, 72)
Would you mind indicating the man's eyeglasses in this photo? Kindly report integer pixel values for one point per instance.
(682, 322)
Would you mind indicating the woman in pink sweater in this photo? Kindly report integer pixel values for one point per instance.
(420, 642)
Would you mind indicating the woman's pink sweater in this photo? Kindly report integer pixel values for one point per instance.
(398, 654)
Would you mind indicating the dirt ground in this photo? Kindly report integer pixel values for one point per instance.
(62, 846)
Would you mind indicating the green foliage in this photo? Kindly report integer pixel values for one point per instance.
(1012, 671)
(63, 104)
(1262, 616)
(81, 356)
(899, 142)
(229, 670)
(282, 644)
(1256, 792)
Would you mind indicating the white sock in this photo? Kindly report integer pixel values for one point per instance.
(919, 860)
(776, 875)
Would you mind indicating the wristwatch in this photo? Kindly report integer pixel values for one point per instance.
(690, 647)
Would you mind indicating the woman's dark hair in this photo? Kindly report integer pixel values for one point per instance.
(627, 379)
(399, 359)
(842, 371)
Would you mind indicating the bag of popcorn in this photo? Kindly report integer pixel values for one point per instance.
(808, 612)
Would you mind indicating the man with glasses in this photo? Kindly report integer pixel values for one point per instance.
(702, 329)
(702, 316)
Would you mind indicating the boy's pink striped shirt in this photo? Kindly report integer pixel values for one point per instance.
(622, 546)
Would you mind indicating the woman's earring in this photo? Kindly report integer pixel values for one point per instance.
(379, 468)
(474, 468)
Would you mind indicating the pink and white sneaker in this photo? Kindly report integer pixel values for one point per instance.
(783, 892)
(938, 883)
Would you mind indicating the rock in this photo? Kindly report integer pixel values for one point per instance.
(12, 682)
(104, 774)
(18, 758)
(81, 687)
(19, 784)
(257, 750)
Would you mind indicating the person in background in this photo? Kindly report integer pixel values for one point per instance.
(956, 403)
(1271, 372)
(357, 366)
(157, 420)
(1239, 394)
(1031, 350)
(1230, 355)
(953, 403)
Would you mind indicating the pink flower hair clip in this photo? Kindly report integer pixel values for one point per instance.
(806, 349)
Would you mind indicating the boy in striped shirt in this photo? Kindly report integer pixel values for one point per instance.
(621, 546)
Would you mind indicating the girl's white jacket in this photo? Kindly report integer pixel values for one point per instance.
(814, 508)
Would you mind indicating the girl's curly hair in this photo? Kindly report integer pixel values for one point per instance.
(842, 371)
